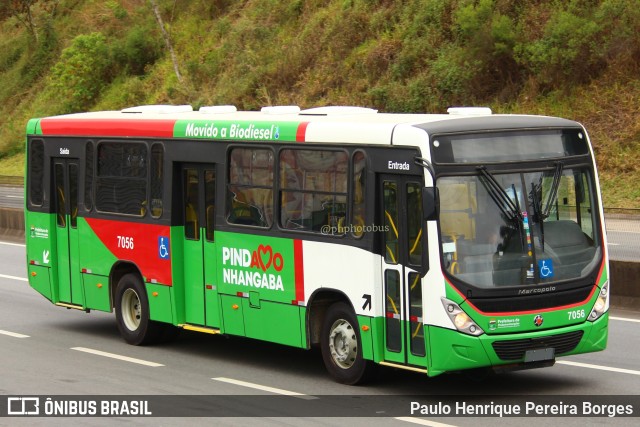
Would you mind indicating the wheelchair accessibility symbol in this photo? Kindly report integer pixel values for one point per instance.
(545, 267)
(163, 247)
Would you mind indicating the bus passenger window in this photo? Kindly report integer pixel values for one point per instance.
(250, 189)
(313, 186)
(121, 180)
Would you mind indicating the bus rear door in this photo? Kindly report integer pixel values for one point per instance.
(403, 266)
(201, 295)
(65, 181)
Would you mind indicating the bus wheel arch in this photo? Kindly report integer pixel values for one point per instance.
(334, 326)
(341, 345)
(118, 270)
(131, 304)
(319, 303)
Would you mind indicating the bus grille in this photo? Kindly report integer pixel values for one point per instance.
(515, 349)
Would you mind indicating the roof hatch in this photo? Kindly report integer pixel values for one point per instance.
(159, 109)
(337, 110)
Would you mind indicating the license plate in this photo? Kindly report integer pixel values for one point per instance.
(540, 354)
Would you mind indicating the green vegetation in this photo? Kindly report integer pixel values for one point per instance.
(578, 59)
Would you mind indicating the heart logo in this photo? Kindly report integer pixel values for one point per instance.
(265, 253)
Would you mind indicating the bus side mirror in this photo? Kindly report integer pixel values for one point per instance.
(430, 203)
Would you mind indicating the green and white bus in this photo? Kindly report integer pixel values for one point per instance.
(428, 242)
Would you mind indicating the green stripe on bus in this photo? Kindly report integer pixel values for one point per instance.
(33, 127)
(230, 130)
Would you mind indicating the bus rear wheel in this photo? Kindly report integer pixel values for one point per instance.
(341, 346)
(132, 312)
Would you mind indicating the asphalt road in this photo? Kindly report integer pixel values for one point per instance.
(11, 197)
(48, 350)
(623, 237)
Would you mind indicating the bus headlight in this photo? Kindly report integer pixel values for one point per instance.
(600, 307)
(460, 319)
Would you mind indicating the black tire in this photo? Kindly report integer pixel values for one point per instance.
(132, 312)
(341, 346)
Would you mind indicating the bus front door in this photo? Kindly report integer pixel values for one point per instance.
(404, 263)
(65, 181)
(199, 258)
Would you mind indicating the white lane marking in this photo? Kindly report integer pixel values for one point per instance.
(624, 319)
(13, 334)
(12, 244)
(117, 356)
(264, 388)
(613, 244)
(8, 196)
(602, 368)
(4, 276)
(423, 422)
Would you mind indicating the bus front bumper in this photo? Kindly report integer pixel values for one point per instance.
(454, 351)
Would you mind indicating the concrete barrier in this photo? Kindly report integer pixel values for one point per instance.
(624, 276)
(12, 224)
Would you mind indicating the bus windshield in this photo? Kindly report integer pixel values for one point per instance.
(516, 229)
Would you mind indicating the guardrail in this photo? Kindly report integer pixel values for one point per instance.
(11, 180)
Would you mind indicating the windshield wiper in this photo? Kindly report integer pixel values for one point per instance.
(510, 208)
(542, 212)
(553, 193)
(507, 206)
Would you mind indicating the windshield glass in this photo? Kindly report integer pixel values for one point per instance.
(513, 229)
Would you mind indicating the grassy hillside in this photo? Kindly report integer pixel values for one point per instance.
(577, 59)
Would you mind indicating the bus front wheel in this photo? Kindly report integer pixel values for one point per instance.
(132, 312)
(341, 346)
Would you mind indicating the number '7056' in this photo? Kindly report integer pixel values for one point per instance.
(125, 242)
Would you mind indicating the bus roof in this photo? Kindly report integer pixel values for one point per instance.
(286, 123)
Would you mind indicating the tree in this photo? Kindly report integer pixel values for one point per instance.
(21, 10)
(167, 39)
(82, 72)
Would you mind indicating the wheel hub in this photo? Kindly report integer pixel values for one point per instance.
(131, 309)
(343, 344)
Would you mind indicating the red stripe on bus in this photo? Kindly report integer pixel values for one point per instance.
(299, 269)
(137, 243)
(108, 127)
(301, 133)
(543, 310)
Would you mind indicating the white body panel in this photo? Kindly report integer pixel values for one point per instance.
(334, 269)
